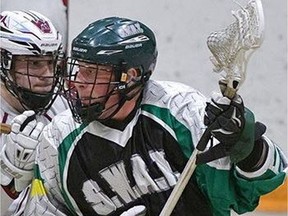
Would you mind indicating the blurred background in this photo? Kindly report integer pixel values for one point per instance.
(181, 29)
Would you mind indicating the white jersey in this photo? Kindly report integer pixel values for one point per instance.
(7, 113)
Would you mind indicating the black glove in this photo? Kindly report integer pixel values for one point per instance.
(225, 119)
(230, 123)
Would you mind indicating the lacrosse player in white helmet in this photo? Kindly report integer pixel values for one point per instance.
(128, 138)
(31, 67)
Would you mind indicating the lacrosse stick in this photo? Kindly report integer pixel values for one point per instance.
(231, 49)
(5, 128)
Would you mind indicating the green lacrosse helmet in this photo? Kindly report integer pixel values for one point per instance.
(117, 41)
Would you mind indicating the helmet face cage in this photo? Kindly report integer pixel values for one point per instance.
(90, 107)
(118, 42)
(29, 35)
(21, 84)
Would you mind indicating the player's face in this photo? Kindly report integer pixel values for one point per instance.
(35, 73)
(94, 82)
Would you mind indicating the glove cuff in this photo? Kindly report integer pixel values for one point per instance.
(257, 157)
(269, 160)
(12, 171)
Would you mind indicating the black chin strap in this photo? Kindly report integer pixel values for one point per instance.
(94, 111)
(124, 96)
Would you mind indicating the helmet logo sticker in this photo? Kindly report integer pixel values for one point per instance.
(129, 30)
(124, 77)
(131, 46)
(79, 49)
(139, 38)
(108, 52)
(48, 44)
(43, 26)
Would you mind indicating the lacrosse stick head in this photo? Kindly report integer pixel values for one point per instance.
(232, 47)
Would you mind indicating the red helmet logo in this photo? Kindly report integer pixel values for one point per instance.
(43, 26)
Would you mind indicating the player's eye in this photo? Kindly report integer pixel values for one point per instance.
(34, 63)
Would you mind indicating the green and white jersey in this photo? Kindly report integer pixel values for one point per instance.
(106, 169)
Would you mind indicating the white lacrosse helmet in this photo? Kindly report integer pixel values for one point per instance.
(29, 33)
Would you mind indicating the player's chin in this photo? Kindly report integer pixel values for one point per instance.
(90, 102)
(43, 89)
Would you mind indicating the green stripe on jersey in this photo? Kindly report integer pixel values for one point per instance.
(183, 134)
(63, 150)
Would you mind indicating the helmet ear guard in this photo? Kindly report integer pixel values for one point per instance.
(130, 82)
